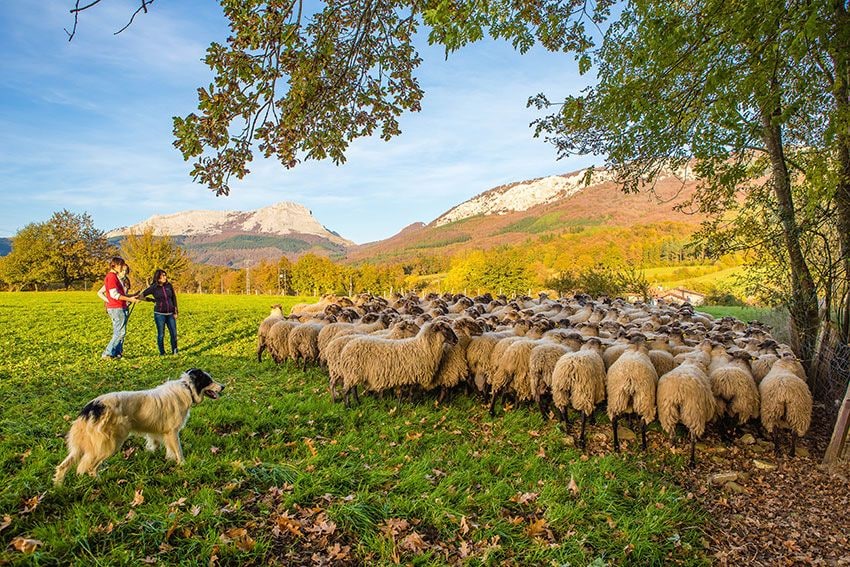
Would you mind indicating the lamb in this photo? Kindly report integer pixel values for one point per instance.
(578, 380)
(786, 402)
(684, 396)
(734, 389)
(631, 385)
(266, 325)
(380, 364)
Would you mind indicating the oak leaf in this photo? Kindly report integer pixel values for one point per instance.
(138, 498)
(413, 542)
(537, 528)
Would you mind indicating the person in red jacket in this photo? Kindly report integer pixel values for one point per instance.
(164, 310)
(116, 306)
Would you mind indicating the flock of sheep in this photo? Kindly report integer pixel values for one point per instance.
(661, 361)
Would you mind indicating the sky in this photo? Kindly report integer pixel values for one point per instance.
(86, 125)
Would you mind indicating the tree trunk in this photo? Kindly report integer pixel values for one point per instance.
(804, 303)
(840, 54)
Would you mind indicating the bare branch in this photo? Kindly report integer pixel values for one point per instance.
(143, 7)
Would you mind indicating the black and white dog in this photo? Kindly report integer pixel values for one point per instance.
(157, 414)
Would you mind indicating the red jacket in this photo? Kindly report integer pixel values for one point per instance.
(114, 287)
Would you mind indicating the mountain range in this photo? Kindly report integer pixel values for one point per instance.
(508, 214)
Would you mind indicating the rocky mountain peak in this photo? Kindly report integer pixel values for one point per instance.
(278, 219)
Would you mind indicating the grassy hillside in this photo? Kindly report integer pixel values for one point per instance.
(275, 472)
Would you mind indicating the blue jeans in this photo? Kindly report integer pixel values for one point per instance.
(119, 329)
(161, 320)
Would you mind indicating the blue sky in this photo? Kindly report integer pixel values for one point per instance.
(86, 125)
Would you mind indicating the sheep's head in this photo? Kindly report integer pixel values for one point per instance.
(467, 327)
(444, 329)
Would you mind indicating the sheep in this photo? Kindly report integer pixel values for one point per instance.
(786, 402)
(277, 340)
(266, 325)
(510, 369)
(541, 364)
(454, 368)
(310, 309)
(631, 384)
(304, 343)
(662, 361)
(684, 396)
(479, 356)
(370, 322)
(734, 389)
(579, 380)
(380, 364)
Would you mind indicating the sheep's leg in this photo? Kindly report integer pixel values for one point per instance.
(493, 397)
(776, 450)
(616, 435)
(260, 350)
(582, 438)
(693, 461)
(793, 444)
(347, 396)
(563, 413)
(643, 434)
(356, 395)
(332, 388)
(544, 411)
(593, 417)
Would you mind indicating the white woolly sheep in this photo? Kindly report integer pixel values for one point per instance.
(579, 381)
(304, 343)
(277, 341)
(735, 390)
(786, 402)
(631, 385)
(454, 368)
(380, 364)
(684, 396)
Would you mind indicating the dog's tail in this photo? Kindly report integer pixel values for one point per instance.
(89, 441)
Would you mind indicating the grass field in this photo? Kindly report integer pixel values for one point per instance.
(275, 472)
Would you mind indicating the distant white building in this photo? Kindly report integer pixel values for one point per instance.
(681, 295)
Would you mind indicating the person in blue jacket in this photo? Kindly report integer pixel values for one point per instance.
(165, 309)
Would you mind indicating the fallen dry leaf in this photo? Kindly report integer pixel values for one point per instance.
(287, 523)
(537, 528)
(394, 526)
(195, 510)
(26, 454)
(573, 486)
(413, 542)
(464, 525)
(541, 452)
(524, 497)
(310, 446)
(7, 521)
(411, 435)
(138, 498)
(25, 545)
(32, 503)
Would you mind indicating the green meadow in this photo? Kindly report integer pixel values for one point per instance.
(277, 473)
